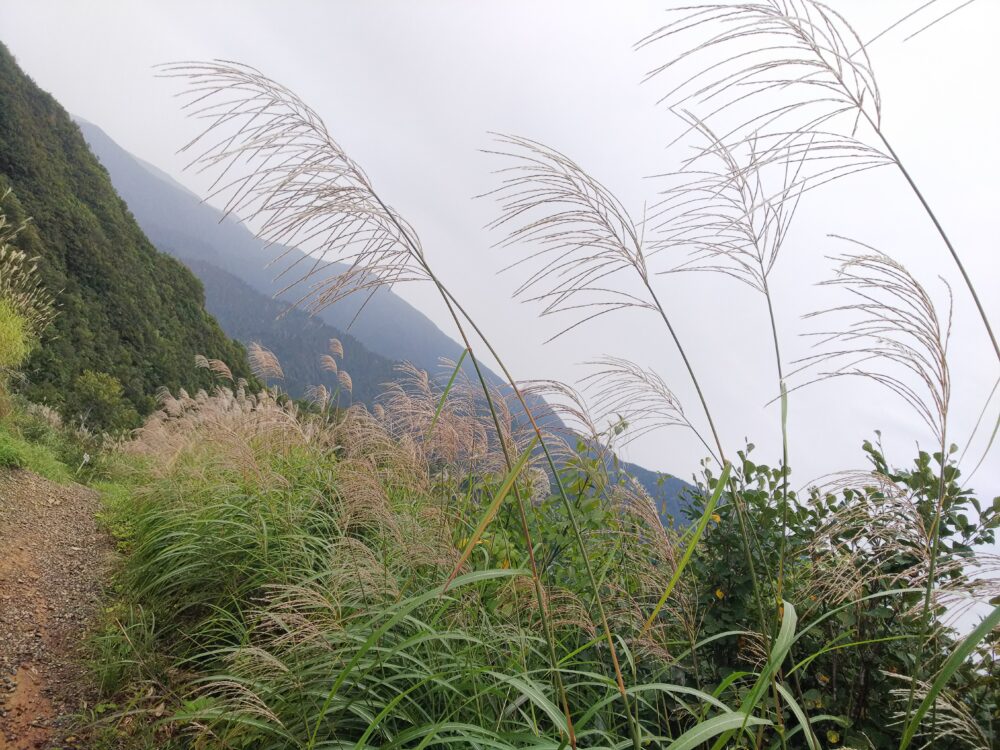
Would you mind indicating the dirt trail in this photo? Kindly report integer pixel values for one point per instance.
(54, 558)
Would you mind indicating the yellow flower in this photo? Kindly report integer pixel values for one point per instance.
(716, 517)
(823, 679)
(832, 736)
(505, 564)
(719, 593)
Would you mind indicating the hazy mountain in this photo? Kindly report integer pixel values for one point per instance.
(125, 309)
(296, 338)
(388, 329)
(179, 223)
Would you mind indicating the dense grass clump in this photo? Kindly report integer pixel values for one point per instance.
(11, 457)
(301, 568)
(14, 343)
(293, 580)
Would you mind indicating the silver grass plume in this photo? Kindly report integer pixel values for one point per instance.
(803, 50)
(894, 335)
(810, 55)
(345, 380)
(328, 363)
(318, 396)
(20, 283)
(952, 721)
(725, 215)
(263, 362)
(584, 235)
(626, 391)
(278, 166)
(216, 366)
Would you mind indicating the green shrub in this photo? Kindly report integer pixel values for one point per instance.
(16, 452)
(11, 456)
(14, 341)
(98, 401)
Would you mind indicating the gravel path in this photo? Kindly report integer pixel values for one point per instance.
(54, 560)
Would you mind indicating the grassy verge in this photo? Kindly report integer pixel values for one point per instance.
(34, 438)
(284, 584)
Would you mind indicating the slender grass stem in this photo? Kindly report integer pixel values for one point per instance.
(568, 505)
(935, 539)
(944, 236)
(737, 498)
(508, 459)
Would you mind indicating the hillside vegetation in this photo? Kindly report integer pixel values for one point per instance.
(463, 563)
(296, 581)
(297, 339)
(130, 318)
(440, 572)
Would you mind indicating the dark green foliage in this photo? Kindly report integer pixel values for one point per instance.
(850, 683)
(99, 402)
(124, 308)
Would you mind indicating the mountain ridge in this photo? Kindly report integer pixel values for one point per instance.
(180, 223)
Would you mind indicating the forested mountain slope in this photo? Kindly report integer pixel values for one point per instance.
(178, 222)
(125, 309)
(297, 339)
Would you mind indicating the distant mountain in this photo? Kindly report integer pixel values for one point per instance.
(179, 223)
(125, 309)
(296, 338)
(669, 492)
(231, 262)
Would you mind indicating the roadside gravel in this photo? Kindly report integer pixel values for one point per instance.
(54, 561)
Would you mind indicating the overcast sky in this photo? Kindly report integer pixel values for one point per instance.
(411, 90)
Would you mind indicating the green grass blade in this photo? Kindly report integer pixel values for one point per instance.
(839, 646)
(491, 511)
(447, 390)
(695, 538)
(389, 706)
(782, 643)
(800, 715)
(957, 658)
(398, 612)
(537, 696)
(706, 730)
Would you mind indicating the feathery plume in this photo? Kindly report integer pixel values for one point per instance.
(263, 362)
(328, 363)
(345, 380)
(298, 185)
(584, 235)
(896, 336)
